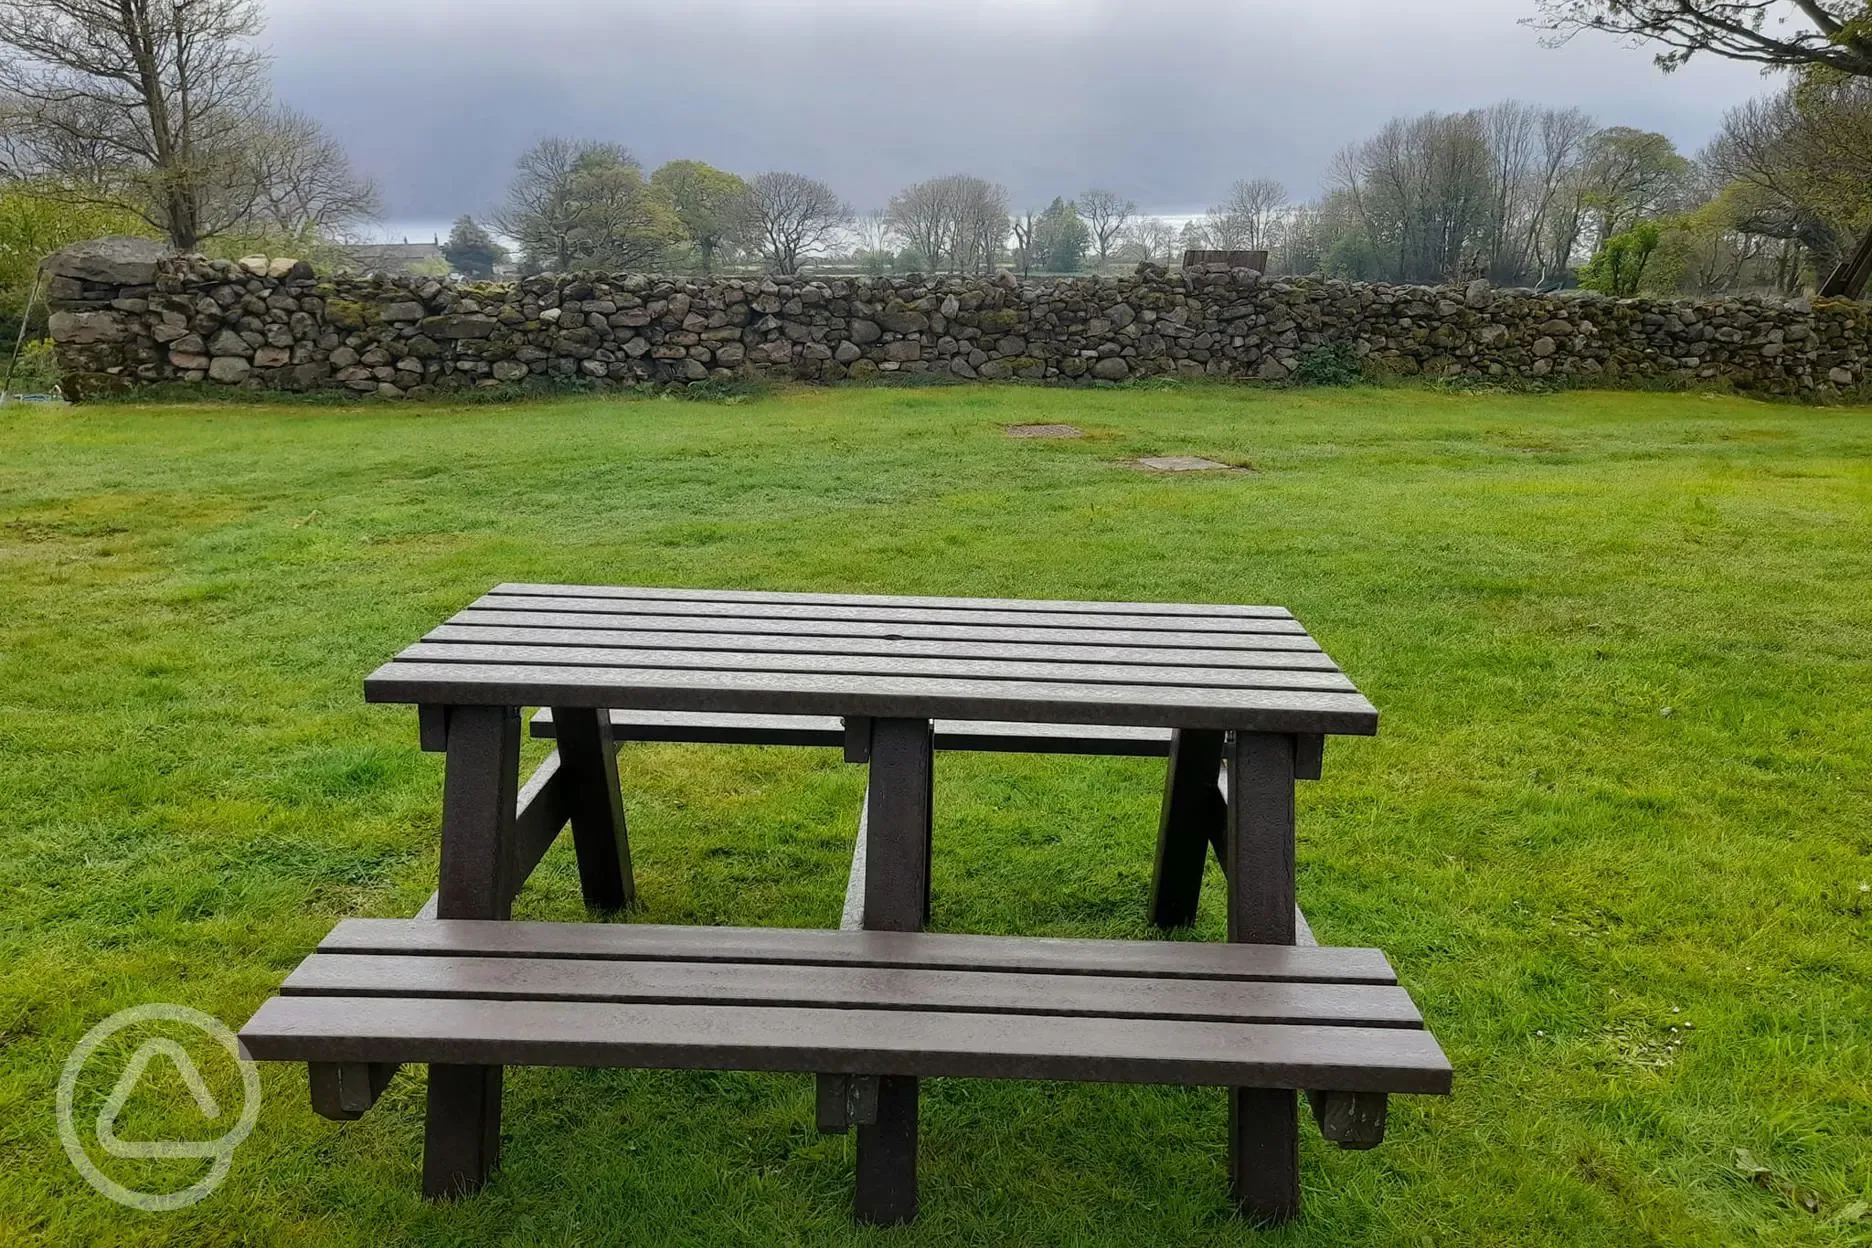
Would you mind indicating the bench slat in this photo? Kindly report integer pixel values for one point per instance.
(893, 647)
(765, 985)
(568, 617)
(755, 597)
(809, 693)
(1003, 618)
(825, 947)
(859, 1042)
(1107, 674)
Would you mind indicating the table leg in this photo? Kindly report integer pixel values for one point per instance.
(461, 1145)
(896, 898)
(599, 833)
(1194, 818)
(1264, 1133)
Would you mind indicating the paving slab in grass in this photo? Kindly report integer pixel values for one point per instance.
(1184, 463)
(1045, 431)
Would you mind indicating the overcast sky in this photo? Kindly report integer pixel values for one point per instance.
(1166, 101)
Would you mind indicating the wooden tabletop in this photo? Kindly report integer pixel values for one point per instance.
(1148, 664)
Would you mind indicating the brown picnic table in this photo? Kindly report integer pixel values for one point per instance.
(1214, 688)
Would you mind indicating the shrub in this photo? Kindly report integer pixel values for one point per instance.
(1335, 365)
(37, 369)
(1620, 264)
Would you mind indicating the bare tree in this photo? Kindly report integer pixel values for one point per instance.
(1106, 214)
(1023, 227)
(959, 222)
(1151, 239)
(984, 229)
(793, 218)
(926, 216)
(873, 230)
(1303, 230)
(1222, 230)
(1246, 218)
(1553, 229)
(1511, 130)
(1784, 33)
(143, 105)
(541, 211)
(1195, 236)
(305, 185)
(1420, 191)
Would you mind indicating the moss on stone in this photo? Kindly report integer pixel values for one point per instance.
(351, 313)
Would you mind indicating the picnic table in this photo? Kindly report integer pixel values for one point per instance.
(1217, 689)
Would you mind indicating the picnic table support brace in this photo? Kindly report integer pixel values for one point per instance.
(1264, 1133)
(1194, 817)
(461, 1142)
(896, 899)
(599, 834)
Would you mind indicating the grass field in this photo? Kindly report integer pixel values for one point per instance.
(1615, 832)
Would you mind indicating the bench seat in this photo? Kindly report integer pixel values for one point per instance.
(988, 736)
(845, 1005)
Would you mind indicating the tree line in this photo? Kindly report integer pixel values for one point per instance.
(159, 118)
(1545, 197)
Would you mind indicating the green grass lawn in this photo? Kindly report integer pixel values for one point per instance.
(1615, 831)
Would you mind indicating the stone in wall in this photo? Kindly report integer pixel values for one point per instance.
(127, 316)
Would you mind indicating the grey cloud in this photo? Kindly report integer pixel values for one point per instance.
(1167, 101)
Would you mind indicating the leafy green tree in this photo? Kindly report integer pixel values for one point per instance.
(575, 205)
(1630, 176)
(1061, 238)
(472, 250)
(1798, 167)
(34, 223)
(713, 205)
(1822, 40)
(1619, 265)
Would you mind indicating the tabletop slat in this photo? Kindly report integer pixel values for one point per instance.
(865, 664)
(937, 615)
(1001, 605)
(810, 693)
(757, 643)
(724, 626)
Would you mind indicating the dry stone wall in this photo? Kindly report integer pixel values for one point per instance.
(126, 314)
